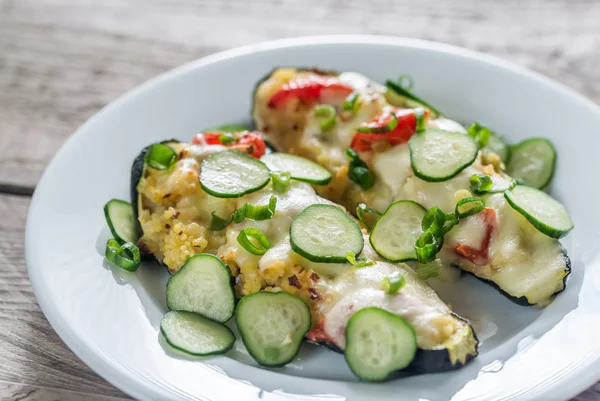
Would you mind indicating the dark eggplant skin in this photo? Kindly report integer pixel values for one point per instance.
(523, 301)
(426, 361)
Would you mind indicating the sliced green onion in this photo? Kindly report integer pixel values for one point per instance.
(254, 233)
(358, 170)
(426, 247)
(406, 82)
(428, 270)
(126, 256)
(160, 156)
(434, 220)
(360, 262)
(469, 206)
(361, 210)
(227, 139)
(218, 223)
(480, 133)
(481, 183)
(393, 283)
(247, 211)
(327, 111)
(451, 221)
(373, 129)
(419, 119)
(351, 103)
(281, 181)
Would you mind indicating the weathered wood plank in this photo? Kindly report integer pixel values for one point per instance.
(61, 60)
(31, 354)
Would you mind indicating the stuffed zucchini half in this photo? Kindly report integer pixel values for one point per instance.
(383, 144)
(210, 199)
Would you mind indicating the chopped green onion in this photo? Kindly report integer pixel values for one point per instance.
(426, 247)
(451, 221)
(469, 206)
(351, 103)
(481, 183)
(406, 82)
(361, 210)
(428, 270)
(358, 171)
(419, 119)
(328, 111)
(480, 133)
(393, 283)
(434, 220)
(360, 262)
(281, 181)
(254, 233)
(228, 128)
(370, 128)
(227, 139)
(247, 211)
(126, 256)
(160, 156)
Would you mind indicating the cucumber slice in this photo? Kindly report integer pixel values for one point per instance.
(202, 285)
(400, 97)
(395, 232)
(232, 174)
(532, 161)
(272, 325)
(325, 233)
(195, 334)
(544, 212)
(378, 343)
(121, 221)
(437, 155)
(301, 169)
(499, 146)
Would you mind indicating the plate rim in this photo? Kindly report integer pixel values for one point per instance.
(136, 386)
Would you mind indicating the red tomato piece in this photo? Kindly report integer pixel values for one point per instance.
(309, 90)
(407, 124)
(480, 256)
(248, 142)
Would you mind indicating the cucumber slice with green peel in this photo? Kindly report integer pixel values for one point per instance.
(395, 232)
(325, 233)
(232, 174)
(544, 212)
(378, 343)
(121, 221)
(202, 285)
(499, 146)
(437, 155)
(532, 161)
(396, 95)
(272, 325)
(300, 169)
(195, 334)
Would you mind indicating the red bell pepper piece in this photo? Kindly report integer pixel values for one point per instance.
(248, 142)
(310, 89)
(407, 125)
(480, 256)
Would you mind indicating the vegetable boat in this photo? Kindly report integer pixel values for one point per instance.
(383, 144)
(176, 215)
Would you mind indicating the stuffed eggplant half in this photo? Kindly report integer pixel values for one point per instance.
(284, 247)
(384, 146)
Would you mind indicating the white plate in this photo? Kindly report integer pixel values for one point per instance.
(110, 318)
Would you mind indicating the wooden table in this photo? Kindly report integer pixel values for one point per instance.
(62, 60)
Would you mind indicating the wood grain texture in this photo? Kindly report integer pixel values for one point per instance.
(62, 60)
(34, 361)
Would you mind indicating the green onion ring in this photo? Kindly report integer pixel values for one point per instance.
(247, 211)
(419, 119)
(361, 209)
(389, 127)
(426, 247)
(480, 133)
(481, 183)
(451, 221)
(469, 206)
(281, 181)
(406, 82)
(351, 103)
(244, 240)
(327, 111)
(126, 256)
(428, 270)
(434, 220)
(393, 283)
(160, 156)
(360, 262)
